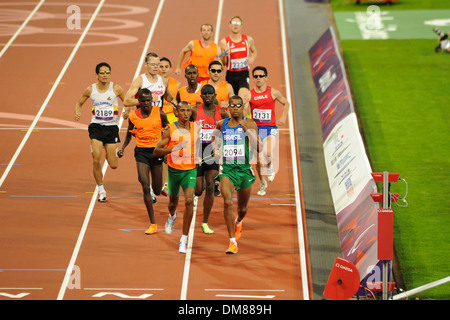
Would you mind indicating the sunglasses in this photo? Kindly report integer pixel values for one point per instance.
(235, 105)
(104, 72)
(237, 23)
(256, 76)
(216, 70)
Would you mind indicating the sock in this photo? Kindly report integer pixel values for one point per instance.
(183, 238)
(233, 240)
(101, 188)
(237, 223)
(174, 216)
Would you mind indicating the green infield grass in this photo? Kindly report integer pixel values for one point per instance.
(401, 91)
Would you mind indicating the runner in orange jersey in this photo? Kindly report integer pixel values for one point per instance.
(202, 51)
(191, 92)
(180, 143)
(165, 68)
(146, 123)
(223, 89)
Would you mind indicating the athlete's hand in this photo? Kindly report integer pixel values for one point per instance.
(120, 153)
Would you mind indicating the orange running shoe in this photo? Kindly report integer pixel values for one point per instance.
(232, 248)
(237, 230)
(153, 228)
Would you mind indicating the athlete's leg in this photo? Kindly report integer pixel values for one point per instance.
(97, 149)
(143, 170)
(111, 155)
(157, 178)
(226, 189)
(208, 201)
(243, 196)
(188, 209)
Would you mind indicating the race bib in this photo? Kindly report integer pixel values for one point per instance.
(206, 135)
(104, 113)
(262, 115)
(233, 152)
(239, 64)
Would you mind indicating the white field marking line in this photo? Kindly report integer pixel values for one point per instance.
(21, 28)
(247, 290)
(55, 85)
(219, 20)
(105, 166)
(37, 129)
(301, 236)
(187, 261)
(268, 296)
(125, 289)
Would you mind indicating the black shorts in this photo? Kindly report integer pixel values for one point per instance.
(238, 79)
(145, 155)
(209, 162)
(105, 134)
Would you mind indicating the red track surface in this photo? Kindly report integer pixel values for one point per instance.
(46, 196)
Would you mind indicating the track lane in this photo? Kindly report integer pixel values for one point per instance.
(112, 258)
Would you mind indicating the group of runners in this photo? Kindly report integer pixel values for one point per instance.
(192, 137)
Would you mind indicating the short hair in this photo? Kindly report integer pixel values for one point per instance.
(101, 64)
(144, 91)
(150, 55)
(191, 66)
(166, 59)
(235, 98)
(206, 87)
(234, 17)
(263, 69)
(207, 24)
(215, 62)
(183, 102)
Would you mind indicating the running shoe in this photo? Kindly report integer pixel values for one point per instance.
(183, 247)
(237, 230)
(262, 189)
(232, 248)
(165, 190)
(153, 228)
(102, 197)
(169, 224)
(153, 197)
(206, 229)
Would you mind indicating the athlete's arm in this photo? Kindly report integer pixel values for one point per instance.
(127, 139)
(86, 94)
(130, 96)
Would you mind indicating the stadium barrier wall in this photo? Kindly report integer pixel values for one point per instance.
(347, 164)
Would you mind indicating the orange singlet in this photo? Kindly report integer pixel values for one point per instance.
(173, 89)
(183, 159)
(201, 57)
(192, 98)
(147, 130)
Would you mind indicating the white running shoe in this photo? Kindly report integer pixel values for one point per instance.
(262, 189)
(153, 197)
(183, 247)
(169, 224)
(102, 197)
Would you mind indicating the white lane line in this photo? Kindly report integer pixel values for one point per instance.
(268, 296)
(218, 22)
(21, 27)
(301, 236)
(105, 166)
(55, 85)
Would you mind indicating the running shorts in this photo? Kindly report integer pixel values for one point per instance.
(105, 134)
(241, 178)
(145, 155)
(238, 79)
(180, 178)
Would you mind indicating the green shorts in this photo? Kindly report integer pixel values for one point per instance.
(181, 178)
(241, 178)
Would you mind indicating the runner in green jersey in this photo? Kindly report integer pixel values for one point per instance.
(236, 135)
